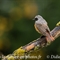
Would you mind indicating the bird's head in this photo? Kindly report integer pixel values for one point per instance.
(38, 19)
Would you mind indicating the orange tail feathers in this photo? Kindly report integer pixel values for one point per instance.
(50, 38)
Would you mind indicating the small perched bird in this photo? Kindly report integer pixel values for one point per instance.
(41, 27)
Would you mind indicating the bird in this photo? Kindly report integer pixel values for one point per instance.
(41, 27)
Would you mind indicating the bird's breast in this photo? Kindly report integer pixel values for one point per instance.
(36, 28)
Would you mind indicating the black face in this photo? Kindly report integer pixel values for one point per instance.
(35, 19)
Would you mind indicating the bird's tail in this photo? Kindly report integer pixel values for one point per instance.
(49, 38)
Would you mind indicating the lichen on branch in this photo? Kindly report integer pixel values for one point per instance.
(34, 45)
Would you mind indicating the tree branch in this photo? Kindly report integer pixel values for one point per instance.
(36, 44)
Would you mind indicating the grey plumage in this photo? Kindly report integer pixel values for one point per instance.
(41, 27)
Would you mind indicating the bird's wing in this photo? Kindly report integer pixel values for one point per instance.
(43, 28)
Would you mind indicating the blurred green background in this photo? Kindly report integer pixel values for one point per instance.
(16, 25)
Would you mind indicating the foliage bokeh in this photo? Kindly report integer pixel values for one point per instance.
(17, 26)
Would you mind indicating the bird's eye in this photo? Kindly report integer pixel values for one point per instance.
(36, 19)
